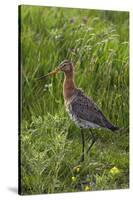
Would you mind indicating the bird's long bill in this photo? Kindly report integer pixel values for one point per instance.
(55, 71)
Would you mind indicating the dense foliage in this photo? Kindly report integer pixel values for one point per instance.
(50, 143)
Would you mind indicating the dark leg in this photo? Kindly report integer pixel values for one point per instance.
(83, 145)
(92, 142)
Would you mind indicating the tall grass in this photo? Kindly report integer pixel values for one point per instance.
(97, 43)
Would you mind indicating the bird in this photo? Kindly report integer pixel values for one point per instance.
(82, 110)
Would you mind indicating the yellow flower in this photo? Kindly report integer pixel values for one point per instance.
(73, 178)
(78, 169)
(87, 188)
(114, 171)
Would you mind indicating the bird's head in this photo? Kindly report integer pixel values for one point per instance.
(66, 66)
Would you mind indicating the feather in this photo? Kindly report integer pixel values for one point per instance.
(86, 113)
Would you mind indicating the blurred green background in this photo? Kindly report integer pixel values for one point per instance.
(97, 43)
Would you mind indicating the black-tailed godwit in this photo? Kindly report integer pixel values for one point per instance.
(81, 109)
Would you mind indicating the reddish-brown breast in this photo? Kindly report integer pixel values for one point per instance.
(68, 86)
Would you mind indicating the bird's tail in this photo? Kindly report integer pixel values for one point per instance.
(114, 128)
(111, 127)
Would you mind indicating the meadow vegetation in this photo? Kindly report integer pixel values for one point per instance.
(50, 143)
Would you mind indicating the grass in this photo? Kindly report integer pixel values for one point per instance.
(50, 143)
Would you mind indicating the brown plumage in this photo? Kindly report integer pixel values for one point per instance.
(82, 110)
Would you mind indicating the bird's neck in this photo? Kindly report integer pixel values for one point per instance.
(68, 86)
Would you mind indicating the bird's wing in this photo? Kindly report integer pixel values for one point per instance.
(84, 108)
